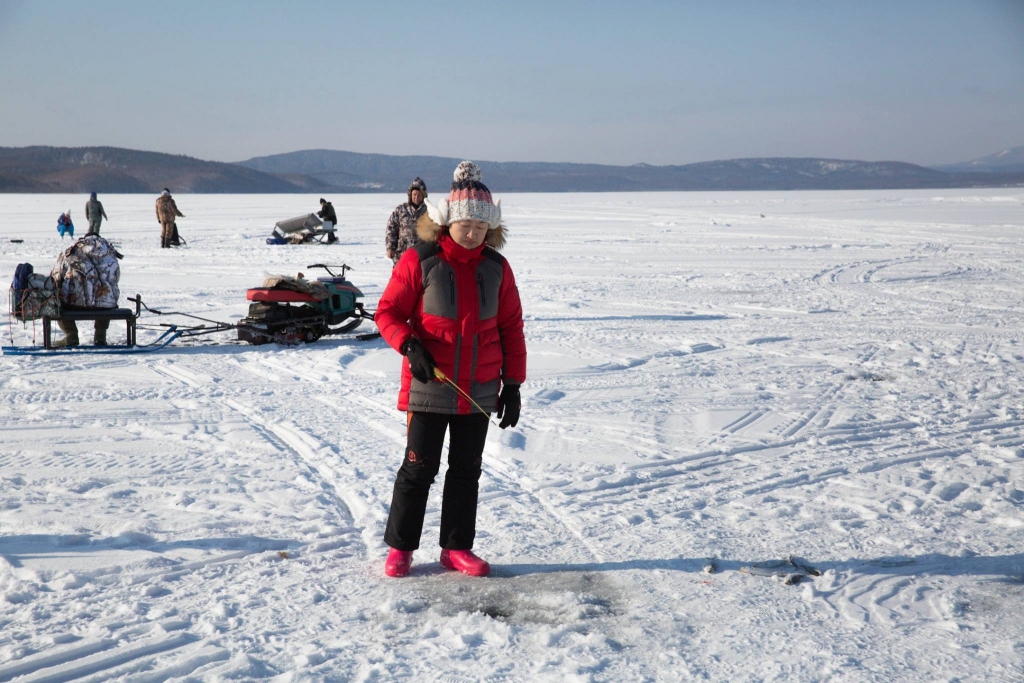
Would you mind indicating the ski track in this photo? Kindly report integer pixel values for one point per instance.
(721, 376)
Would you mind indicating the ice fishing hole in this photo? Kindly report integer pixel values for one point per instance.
(869, 376)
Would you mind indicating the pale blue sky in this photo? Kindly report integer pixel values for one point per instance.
(926, 81)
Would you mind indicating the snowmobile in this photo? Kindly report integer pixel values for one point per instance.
(288, 316)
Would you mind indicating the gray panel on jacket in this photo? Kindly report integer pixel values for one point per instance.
(439, 296)
(488, 279)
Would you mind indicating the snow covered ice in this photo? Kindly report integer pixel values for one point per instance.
(833, 376)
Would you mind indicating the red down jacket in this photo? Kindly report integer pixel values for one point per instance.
(464, 307)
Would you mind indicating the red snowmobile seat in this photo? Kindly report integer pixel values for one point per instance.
(279, 296)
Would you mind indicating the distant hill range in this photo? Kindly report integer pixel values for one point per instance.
(115, 170)
(354, 172)
(111, 169)
(1007, 161)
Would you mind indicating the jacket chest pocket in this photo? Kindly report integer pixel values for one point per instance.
(440, 297)
(488, 284)
(488, 298)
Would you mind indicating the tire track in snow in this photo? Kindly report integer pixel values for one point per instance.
(254, 369)
(955, 442)
(664, 469)
(311, 452)
(190, 659)
(175, 372)
(857, 434)
(830, 398)
(731, 483)
(289, 438)
(130, 650)
(295, 370)
(810, 419)
(745, 421)
(177, 571)
(506, 473)
(862, 272)
(131, 657)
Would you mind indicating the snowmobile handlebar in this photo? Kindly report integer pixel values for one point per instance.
(344, 267)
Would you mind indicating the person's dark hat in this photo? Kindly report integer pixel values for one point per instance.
(418, 184)
(323, 201)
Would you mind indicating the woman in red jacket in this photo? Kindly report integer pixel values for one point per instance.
(451, 304)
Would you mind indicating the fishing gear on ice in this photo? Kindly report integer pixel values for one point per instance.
(285, 310)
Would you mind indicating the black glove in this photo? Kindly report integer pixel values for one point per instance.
(509, 405)
(421, 363)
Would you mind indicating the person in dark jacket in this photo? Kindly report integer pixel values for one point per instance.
(451, 305)
(95, 214)
(327, 215)
(401, 231)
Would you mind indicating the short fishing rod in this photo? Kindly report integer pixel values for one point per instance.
(444, 378)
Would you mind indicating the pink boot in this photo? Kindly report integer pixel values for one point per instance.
(398, 563)
(464, 561)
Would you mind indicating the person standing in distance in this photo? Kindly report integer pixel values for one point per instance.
(166, 212)
(401, 232)
(95, 214)
(451, 305)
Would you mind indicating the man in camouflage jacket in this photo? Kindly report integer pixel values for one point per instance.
(401, 232)
(166, 212)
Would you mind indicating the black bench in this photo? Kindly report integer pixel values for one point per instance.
(79, 314)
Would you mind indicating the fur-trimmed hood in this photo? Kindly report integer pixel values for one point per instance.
(428, 231)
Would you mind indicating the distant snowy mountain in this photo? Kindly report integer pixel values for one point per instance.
(110, 169)
(1007, 161)
(355, 172)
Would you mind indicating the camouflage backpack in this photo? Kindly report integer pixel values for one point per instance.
(87, 274)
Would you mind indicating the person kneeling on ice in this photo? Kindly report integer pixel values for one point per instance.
(65, 226)
(452, 309)
(86, 274)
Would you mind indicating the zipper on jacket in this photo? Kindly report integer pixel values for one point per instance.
(480, 282)
(451, 285)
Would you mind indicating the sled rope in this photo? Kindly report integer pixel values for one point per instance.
(444, 378)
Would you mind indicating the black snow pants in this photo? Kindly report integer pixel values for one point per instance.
(421, 465)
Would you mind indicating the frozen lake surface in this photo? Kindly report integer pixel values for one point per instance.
(836, 377)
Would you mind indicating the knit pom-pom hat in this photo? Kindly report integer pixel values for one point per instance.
(469, 199)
